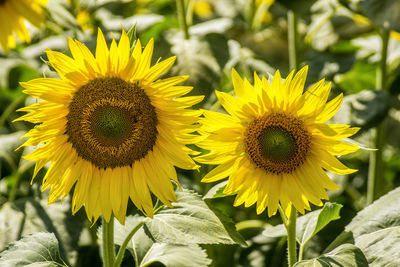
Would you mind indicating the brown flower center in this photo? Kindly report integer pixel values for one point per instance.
(277, 143)
(111, 122)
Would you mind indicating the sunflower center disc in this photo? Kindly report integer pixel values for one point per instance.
(277, 143)
(111, 122)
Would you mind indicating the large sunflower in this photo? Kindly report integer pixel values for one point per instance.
(274, 144)
(109, 127)
(12, 16)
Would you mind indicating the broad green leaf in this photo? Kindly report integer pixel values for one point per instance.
(11, 220)
(196, 59)
(308, 225)
(361, 77)
(8, 143)
(365, 109)
(300, 7)
(157, 29)
(216, 191)
(384, 13)
(369, 47)
(147, 251)
(346, 255)
(381, 248)
(27, 216)
(61, 15)
(317, 220)
(191, 221)
(321, 33)
(39, 249)
(381, 214)
(176, 255)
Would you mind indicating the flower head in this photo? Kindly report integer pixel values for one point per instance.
(13, 14)
(110, 127)
(274, 144)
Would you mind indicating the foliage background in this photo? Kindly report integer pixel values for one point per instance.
(338, 40)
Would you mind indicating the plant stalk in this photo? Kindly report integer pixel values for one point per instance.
(108, 242)
(376, 164)
(252, 14)
(180, 7)
(122, 249)
(292, 40)
(291, 231)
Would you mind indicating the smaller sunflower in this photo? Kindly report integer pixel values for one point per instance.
(13, 14)
(274, 144)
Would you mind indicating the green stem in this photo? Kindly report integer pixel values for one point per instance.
(122, 249)
(108, 242)
(291, 231)
(10, 109)
(180, 7)
(301, 252)
(252, 14)
(292, 40)
(15, 186)
(376, 165)
(283, 216)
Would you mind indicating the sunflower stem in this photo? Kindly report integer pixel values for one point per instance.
(108, 242)
(283, 216)
(252, 14)
(122, 249)
(180, 7)
(292, 40)
(376, 166)
(291, 231)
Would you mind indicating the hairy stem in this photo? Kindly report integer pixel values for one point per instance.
(108, 242)
(180, 7)
(376, 164)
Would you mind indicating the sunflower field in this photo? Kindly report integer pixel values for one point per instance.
(193, 133)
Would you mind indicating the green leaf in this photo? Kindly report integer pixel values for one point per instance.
(365, 109)
(217, 191)
(196, 59)
(147, 251)
(308, 225)
(384, 13)
(362, 76)
(381, 248)
(27, 216)
(321, 32)
(191, 221)
(346, 255)
(317, 220)
(39, 249)
(176, 255)
(381, 214)
(60, 14)
(132, 38)
(300, 7)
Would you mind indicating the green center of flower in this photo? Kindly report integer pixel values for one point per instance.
(111, 122)
(277, 143)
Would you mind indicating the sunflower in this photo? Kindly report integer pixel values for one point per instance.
(274, 144)
(12, 16)
(110, 127)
